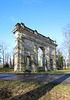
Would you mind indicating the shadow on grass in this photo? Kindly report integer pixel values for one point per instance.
(37, 93)
(5, 93)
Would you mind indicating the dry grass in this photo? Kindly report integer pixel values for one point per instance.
(16, 90)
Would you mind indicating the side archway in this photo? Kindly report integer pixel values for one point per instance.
(28, 63)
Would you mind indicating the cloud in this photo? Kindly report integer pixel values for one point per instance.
(13, 19)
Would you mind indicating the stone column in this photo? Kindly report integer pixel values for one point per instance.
(43, 60)
(22, 61)
(36, 62)
(54, 59)
(45, 66)
(34, 59)
(32, 63)
(19, 50)
(47, 54)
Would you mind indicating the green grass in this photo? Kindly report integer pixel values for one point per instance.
(11, 70)
(3, 70)
(16, 90)
(57, 72)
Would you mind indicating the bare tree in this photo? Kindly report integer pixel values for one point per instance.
(3, 50)
(0, 54)
(66, 44)
(6, 55)
(10, 62)
(12, 58)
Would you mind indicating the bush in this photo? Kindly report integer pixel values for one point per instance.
(6, 65)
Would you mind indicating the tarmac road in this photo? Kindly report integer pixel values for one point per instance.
(28, 77)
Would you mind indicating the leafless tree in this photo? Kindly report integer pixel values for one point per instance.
(2, 52)
(12, 58)
(65, 46)
(7, 55)
(3, 47)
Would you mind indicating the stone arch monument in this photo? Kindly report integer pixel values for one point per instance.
(27, 42)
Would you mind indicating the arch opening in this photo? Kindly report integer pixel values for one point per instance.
(51, 64)
(40, 59)
(28, 63)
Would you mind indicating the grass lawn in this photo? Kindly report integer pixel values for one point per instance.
(4, 70)
(16, 90)
(11, 70)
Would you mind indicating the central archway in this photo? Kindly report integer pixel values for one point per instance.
(40, 58)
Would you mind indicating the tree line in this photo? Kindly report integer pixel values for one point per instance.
(6, 57)
(63, 53)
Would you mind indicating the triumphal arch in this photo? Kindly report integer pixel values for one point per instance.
(27, 43)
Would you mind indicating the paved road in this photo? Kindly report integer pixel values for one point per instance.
(53, 78)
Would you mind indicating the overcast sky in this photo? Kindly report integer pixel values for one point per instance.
(48, 17)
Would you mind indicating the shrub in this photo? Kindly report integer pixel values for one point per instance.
(6, 65)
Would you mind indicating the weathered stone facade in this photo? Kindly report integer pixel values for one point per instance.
(27, 43)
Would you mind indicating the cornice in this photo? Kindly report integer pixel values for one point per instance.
(21, 27)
